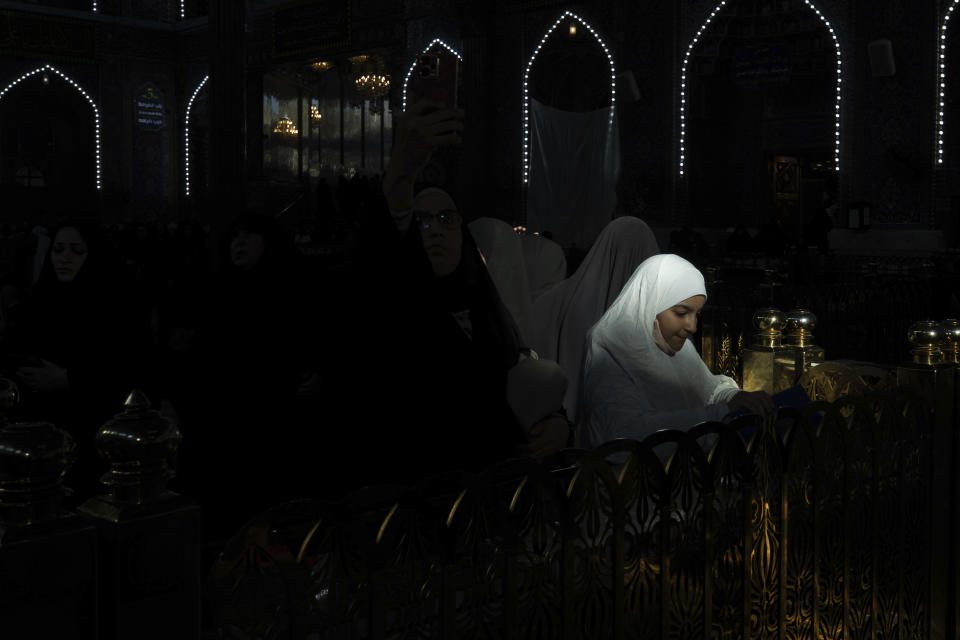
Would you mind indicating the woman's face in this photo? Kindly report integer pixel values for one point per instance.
(68, 253)
(246, 248)
(680, 321)
(443, 242)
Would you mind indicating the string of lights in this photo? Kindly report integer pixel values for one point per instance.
(186, 136)
(683, 82)
(70, 81)
(183, 7)
(526, 78)
(836, 122)
(413, 65)
(942, 88)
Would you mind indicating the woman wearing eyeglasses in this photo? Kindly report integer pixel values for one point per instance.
(441, 345)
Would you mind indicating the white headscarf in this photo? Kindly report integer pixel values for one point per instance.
(563, 315)
(546, 263)
(665, 390)
(501, 249)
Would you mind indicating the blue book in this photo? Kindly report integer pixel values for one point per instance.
(795, 397)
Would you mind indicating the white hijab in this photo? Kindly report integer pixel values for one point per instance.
(503, 254)
(563, 315)
(662, 383)
(546, 263)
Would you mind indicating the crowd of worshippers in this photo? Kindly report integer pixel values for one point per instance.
(444, 345)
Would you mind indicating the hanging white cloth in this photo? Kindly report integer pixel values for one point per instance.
(502, 251)
(574, 168)
(546, 263)
(631, 388)
(563, 314)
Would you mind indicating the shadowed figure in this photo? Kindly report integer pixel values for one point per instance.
(432, 397)
(545, 261)
(431, 381)
(243, 450)
(502, 251)
(76, 348)
(563, 314)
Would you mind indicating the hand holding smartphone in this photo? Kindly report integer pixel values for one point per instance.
(431, 120)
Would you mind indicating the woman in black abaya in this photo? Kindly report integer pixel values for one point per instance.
(75, 348)
(427, 385)
(243, 447)
(444, 344)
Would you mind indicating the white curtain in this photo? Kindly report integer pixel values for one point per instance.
(574, 167)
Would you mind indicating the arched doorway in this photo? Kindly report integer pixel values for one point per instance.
(49, 144)
(571, 155)
(760, 91)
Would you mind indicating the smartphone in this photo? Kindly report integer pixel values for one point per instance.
(435, 79)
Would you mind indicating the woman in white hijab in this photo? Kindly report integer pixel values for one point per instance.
(563, 315)
(503, 255)
(641, 374)
(546, 263)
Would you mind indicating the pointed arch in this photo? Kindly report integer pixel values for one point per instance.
(942, 75)
(436, 42)
(186, 137)
(686, 61)
(71, 82)
(526, 77)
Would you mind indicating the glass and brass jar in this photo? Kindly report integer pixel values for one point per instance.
(34, 457)
(927, 370)
(758, 356)
(950, 343)
(141, 445)
(799, 352)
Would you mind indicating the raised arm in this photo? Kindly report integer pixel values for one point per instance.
(419, 131)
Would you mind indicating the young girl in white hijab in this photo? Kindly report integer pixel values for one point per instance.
(641, 374)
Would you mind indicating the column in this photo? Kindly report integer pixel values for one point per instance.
(227, 121)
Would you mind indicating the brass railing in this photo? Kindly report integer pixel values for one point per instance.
(825, 523)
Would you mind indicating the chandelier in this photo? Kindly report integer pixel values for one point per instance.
(315, 114)
(373, 86)
(322, 65)
(285, 127)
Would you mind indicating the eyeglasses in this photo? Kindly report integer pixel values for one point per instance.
(446, 218)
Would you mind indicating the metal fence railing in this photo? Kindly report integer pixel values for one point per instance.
(825, 523)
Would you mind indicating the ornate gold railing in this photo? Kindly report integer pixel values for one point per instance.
(825, 523)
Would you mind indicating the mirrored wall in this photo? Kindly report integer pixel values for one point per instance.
(326, 117)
